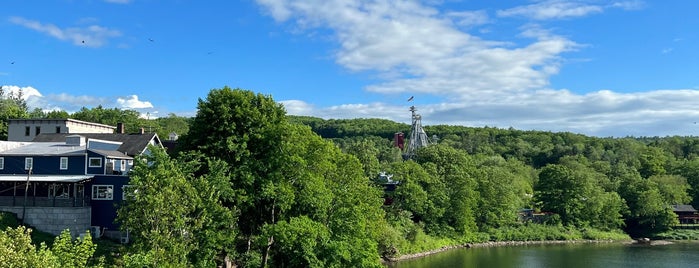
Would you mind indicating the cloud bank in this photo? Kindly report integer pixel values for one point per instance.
(418, 49)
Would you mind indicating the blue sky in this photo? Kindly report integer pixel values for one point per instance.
(596, 67)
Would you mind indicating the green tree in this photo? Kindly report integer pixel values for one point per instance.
(16, 250)
(456, 171)
(282, 172)
(111, 116)
(673, 188)
(648, 211)
(12, 106)
(160, 211)
(577, 196)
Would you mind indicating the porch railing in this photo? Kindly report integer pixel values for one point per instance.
(32, 201)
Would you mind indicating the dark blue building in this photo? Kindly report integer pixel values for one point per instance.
(69, 181)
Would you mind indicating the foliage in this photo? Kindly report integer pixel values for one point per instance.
(160, 212)
(16, 250)
(677, 234)
(285, 177)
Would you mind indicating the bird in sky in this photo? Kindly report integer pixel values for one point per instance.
(411, 98)
(12, 62)
(151, 39)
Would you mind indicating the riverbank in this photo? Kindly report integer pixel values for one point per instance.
(497, 244)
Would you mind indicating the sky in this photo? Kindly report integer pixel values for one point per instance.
(606, 68)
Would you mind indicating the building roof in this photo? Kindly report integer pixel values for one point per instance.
(14, 121)
(132, 144)
(8, 145)
(46, 178)
(45, 148)
(683, 208)
(112, 154)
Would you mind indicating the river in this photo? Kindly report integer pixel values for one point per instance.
(606, 255)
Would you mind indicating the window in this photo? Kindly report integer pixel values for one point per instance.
(64, 163)
(59, 190)
(2, 163)
(37, 130)
(123, 165)
(128, 192)
(102, 192)
(95, 162)
(26, 131)
(58, 129)
(28, 163)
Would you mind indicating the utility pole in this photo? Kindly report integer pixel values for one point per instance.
(26, 190)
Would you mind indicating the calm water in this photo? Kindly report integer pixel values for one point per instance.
(681, 254)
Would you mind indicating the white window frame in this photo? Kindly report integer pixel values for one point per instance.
(2, 163)
(89, 162)
(64, 163)
(28, 163)
(107, 190)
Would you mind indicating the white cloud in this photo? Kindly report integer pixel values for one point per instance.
(602, 113)
(72, 103)
(133, 103)
(552, 9)
(417, 49)
(90, 36)
(469, 18)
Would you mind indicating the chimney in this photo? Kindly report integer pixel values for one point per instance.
(120, 128)
(142, 131)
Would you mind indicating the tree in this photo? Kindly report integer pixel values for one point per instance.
(673, 188)
(648, 212)
(16, 250)
(455, 170)
(284, 176)
(12, 106)
(579, 199)
(503, 190)
(111, 116)
(160, 211)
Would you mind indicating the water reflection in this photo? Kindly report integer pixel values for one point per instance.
(681, 254)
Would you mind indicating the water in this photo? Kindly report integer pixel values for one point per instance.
(606, 255)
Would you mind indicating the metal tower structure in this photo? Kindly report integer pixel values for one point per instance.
(418, 137)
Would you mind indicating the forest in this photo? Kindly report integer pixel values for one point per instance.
(252, 185)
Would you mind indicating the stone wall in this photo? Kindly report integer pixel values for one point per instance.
(55, 219)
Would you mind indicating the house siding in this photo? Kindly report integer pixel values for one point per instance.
(105, 211)
(44, 165)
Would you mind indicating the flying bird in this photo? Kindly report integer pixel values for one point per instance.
(151, 39)
(12, 62)
(411, 98)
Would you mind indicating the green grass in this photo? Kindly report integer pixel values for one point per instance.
(678, 234)
(8, 219)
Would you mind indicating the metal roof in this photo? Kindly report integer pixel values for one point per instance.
(45, 148)
(132, 144)
(45, 178)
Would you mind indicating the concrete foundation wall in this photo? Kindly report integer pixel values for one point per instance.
(55, 219)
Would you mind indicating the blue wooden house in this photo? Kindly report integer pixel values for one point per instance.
(69, 181)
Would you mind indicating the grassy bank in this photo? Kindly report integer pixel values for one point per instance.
(423, 244)
(679, 234)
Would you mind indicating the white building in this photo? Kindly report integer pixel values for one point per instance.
(27, 129)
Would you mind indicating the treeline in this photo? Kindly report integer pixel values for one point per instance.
(256, 187)
(605, 183)
(13, 106)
